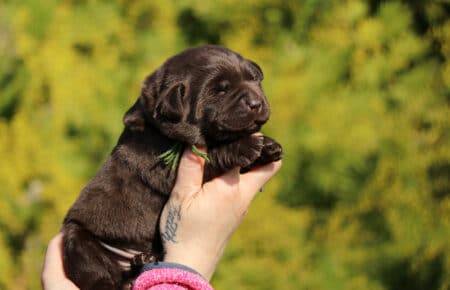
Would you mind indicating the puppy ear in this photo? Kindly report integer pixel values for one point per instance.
(135, 118)
(171, 106)
(256, 70)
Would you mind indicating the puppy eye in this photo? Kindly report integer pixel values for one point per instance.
(223, 86)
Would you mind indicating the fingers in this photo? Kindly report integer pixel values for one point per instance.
(190, 174)
(225, 182)
(252, 181)
(53, 276)
(53, 265)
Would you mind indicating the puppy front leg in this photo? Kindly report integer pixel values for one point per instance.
(240, 153)
(272, 151)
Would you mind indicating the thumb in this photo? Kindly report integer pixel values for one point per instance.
(252, 181)
(190, 174)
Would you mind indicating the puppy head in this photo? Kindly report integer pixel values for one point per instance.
(202, 96)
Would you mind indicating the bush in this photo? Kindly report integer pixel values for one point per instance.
(359, 93)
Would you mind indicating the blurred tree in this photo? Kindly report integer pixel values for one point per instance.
(360, 94)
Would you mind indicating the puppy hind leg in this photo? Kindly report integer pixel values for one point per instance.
(85, 261)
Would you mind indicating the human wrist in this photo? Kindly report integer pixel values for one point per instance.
(203, 262)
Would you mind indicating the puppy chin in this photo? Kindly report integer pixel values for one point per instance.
(237, 126)
(226, 132)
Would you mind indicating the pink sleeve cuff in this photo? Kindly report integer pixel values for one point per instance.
(170, 279)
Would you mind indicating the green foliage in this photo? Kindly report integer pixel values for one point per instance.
(360, 94)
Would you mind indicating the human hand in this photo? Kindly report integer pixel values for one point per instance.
(53, 276)
(198, 221)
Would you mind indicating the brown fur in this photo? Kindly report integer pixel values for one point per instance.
(206, 96)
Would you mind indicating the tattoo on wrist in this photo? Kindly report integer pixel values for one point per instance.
(170, 229)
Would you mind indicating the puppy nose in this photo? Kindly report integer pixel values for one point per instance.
(254, 104)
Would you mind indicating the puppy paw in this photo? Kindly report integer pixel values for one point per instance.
(250, 149)
(128, 285)
(271, 151)
(142, 259)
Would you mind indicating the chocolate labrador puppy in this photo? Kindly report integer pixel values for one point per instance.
(206, 96)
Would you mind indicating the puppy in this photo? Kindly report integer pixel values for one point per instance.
(206, 96)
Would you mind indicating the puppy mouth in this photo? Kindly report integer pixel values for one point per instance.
(242, 121)
(250, 129)
(240, 126)
(241, 114)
